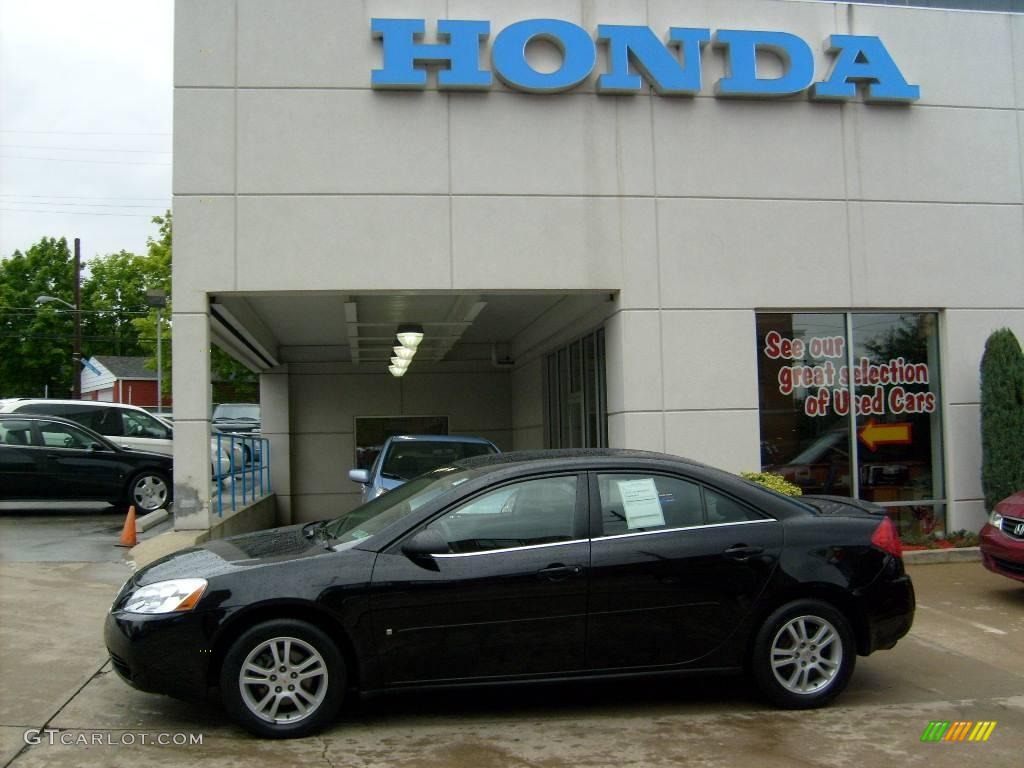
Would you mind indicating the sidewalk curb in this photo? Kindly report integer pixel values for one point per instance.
(936, 556)
(144, 523)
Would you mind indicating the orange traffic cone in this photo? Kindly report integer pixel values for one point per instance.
(128, 535)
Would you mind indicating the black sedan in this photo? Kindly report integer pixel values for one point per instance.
(45, 458)
(521, 566)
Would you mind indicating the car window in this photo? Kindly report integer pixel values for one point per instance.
(56, 435)
(635, 503)
(45, 409)
(409, 459)
(140, 424)
(722, 509)
(88, 416)
(522, 514)
(14, 432)
(378, 514)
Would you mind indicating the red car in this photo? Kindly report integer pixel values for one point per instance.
(1002, 538)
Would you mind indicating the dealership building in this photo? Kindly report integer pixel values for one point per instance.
(762, 234)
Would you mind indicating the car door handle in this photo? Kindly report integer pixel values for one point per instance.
(560, 572)
(743, 552)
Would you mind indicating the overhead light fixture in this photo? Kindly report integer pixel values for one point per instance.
(396, 371)
(405, 353)
(410, 335)
(400, 363)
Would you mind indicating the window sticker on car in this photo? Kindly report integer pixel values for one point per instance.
(640, 503)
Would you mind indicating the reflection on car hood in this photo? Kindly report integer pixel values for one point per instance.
(237, 552)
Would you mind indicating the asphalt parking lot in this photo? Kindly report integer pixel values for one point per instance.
(58, 573)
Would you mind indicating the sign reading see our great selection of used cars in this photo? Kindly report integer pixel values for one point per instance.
(635, 54)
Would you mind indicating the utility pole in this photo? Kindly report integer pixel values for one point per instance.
(157, 298)
(76, 353)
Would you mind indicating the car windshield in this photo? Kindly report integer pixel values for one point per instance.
(410, 458)
(378, 514)
(237, 411)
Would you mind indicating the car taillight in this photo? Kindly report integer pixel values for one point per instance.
(887, 538)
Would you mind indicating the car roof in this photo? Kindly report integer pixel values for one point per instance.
(440, 439)
(55, 401)
(574, 456)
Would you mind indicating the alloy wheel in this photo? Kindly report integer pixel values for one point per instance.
(149, 492)
(283, 680)
(806, 654)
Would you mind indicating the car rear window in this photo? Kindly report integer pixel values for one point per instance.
(407, 460)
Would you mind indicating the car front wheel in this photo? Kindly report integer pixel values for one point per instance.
(282, 679)
(149, 491)
(804, 654)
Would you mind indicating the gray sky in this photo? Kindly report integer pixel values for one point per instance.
(84, 80)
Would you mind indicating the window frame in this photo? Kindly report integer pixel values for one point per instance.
(580, 515)
(597, 520)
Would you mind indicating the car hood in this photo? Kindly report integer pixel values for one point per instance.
(249, 550)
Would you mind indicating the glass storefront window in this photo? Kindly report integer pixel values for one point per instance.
(575, 393)
(874, 433)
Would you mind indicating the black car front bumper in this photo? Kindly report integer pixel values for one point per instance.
(162, 653)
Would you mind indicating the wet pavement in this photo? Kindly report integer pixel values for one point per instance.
(960, 662)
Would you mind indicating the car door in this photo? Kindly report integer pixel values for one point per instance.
(508, 599)
(22, 466)
(675, 566)
(80, 467)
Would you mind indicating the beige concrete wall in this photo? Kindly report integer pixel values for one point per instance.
(697, 212)
(326, 399)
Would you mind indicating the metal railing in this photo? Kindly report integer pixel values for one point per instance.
(241, 471)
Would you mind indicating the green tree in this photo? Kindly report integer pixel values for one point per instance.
(159, 252)
(35, 342)
(1002, 417)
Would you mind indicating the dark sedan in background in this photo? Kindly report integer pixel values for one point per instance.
(45, 458)
(523, 566)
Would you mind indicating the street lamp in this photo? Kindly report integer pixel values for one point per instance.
(76, 350)
(157, 298)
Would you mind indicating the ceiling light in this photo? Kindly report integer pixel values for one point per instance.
(405, 353)
(410, 335)
(396, 371)
(400, 363)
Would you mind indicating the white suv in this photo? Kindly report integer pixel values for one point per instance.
(126, 425)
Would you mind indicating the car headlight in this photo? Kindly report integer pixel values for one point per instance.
(996, 520)
(176, 595)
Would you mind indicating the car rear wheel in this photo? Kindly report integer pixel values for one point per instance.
(804, 654)
(149, 491)
(282, 679)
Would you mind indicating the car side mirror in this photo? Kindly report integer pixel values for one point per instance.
(359, 476)
(424, 544)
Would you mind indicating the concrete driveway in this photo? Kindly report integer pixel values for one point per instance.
(961, 662)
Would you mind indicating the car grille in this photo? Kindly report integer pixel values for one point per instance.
(120, 666)
(1009, 565)
(1010, 527)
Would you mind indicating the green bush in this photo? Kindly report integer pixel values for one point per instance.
(777, 483)
(1002, 417)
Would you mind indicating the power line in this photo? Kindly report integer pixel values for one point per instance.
(91, 133)
(85, 197)
(74, 160)
(85, 149)
(89, 205)
(73, 213)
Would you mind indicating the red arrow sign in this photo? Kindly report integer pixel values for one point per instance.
(874, 434)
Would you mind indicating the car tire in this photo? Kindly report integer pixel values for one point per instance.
(803, 655)
(313, 678)
(148, 491)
